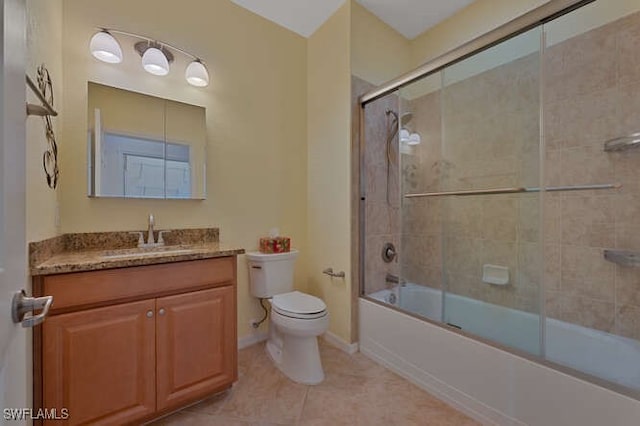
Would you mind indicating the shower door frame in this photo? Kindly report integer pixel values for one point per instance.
(529, 20)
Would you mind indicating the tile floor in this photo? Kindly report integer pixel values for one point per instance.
(356, 391)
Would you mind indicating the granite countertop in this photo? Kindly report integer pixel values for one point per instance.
(114, 250)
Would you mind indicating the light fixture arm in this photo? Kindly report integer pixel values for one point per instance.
(152, 41)
(156, 55)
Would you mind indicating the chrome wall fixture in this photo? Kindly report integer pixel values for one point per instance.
(156, 55)
(329, 271)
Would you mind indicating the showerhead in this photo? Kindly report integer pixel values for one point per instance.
(406, 119)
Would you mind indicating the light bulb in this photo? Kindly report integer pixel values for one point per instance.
(404, 135)
(155, 62)
(414, 139)
(196, 74)
(105, 47)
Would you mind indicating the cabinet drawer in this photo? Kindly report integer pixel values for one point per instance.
(85, 289)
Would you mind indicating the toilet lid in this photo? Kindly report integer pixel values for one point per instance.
(298, 303)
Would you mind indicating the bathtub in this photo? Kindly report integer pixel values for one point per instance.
(604, 355)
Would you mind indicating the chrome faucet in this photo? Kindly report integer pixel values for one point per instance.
(151, 240)
(150, 237)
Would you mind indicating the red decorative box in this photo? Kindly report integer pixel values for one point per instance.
(275, 244)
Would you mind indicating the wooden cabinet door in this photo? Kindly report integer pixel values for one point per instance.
(100, 363)
(196, 345)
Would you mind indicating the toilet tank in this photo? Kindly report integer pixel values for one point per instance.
(271, 274)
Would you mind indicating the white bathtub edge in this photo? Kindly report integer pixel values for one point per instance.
(338, 342)
(450, 395)
(474, 376)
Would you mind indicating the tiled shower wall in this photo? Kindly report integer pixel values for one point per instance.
(491, 128)
(382, 213)
(491, 132)
(592, 93)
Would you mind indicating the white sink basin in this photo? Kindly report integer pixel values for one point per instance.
(140, 253)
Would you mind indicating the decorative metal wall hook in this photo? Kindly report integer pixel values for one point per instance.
(44, 92)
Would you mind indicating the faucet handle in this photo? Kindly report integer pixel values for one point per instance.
(140, 237)
(161, 238)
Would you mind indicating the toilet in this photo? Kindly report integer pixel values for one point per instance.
(297, 319)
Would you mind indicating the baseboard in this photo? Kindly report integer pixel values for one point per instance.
(251, 339)
(452, 396)
(334, 340)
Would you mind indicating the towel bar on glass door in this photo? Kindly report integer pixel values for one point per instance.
(516, 190)
(623, 143)
(622, 257)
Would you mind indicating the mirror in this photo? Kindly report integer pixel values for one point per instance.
(142, 146)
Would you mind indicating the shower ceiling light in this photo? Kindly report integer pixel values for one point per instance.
(105, 47)
(156, 56)
(414, 139)
(404, 135)
(155, 62)
(196, 74)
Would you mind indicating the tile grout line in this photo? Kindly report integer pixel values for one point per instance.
(304, 402)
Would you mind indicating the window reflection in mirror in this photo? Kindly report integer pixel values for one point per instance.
(142, 146)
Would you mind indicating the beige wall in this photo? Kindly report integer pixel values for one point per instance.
(474, 20)
(378, 52)
(256, 119)
(44, 45)
(329, 157)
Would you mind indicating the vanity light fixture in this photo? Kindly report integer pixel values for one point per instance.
(196, 74)
(156, 55)
(105, 47)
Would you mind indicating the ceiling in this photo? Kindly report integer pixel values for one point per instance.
(412, 17)
(301, 16)
(409, 17)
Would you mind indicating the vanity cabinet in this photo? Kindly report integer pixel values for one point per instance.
(195, 345)
(99, 363)
(127, 356)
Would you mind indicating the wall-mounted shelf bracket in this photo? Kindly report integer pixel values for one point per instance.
(39, 110)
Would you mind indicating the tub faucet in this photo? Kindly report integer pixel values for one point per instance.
(393, 279)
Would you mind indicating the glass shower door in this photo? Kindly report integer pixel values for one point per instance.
(491, 232)
(421, 170)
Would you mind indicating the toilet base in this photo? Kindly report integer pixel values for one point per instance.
(300, 361)
(296, 357)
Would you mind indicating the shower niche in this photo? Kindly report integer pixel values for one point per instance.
(518, 168)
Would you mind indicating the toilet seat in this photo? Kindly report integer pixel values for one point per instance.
(299, 305)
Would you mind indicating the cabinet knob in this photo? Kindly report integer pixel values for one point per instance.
(161, 311)
(149, 314)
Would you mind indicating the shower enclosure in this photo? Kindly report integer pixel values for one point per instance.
(500, 193)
